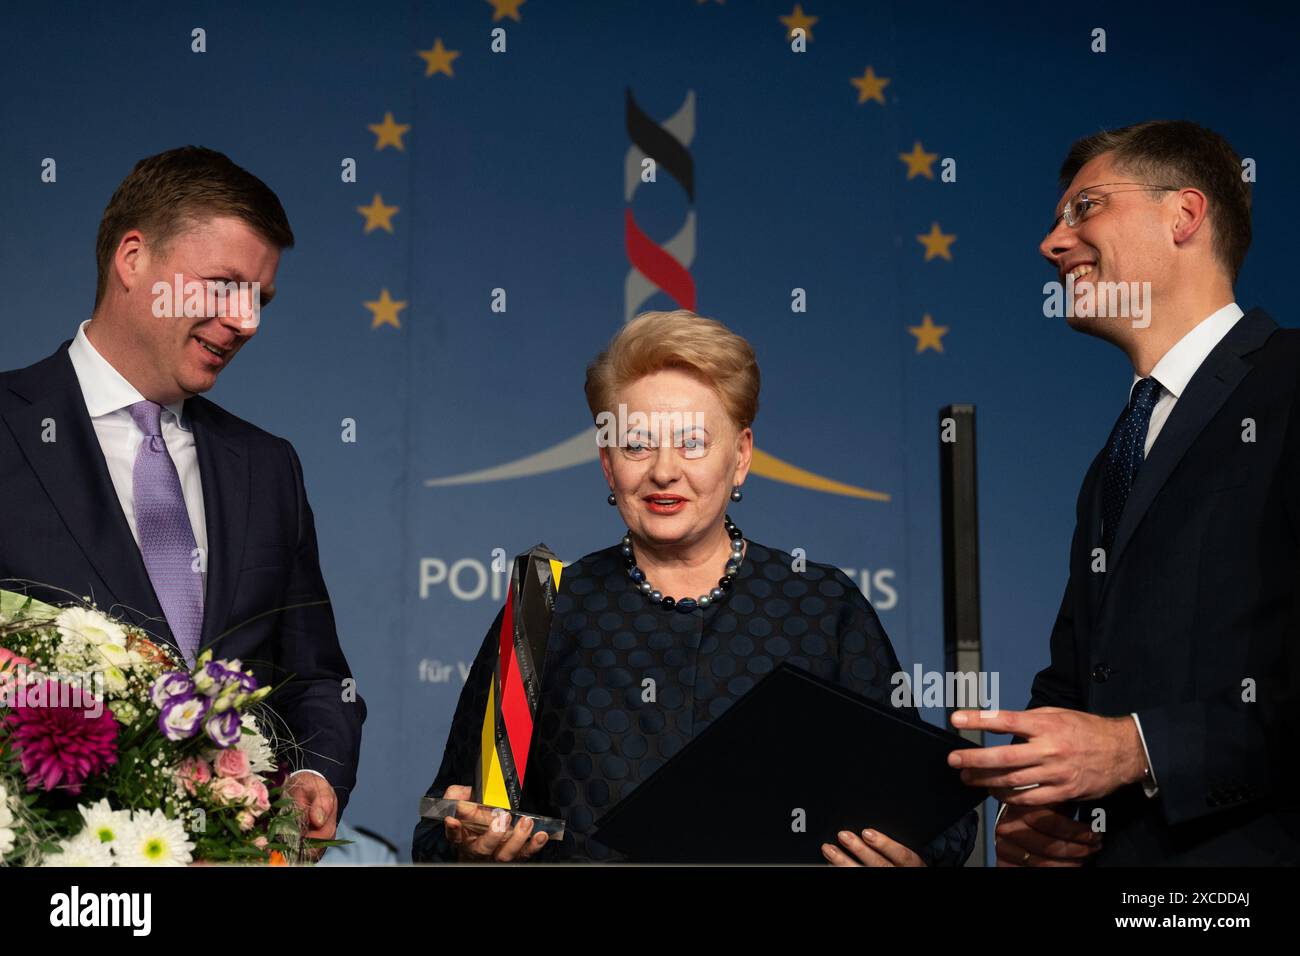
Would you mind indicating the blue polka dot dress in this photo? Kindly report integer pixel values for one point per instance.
(627, 684)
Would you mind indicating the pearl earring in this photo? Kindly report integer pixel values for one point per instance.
(736, 493)
(611, 499)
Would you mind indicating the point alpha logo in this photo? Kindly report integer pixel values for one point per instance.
(654, 267)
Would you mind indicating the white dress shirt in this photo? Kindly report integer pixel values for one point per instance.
(1174, 370)
(108, 399)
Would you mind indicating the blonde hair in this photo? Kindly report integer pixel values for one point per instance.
(654, 341)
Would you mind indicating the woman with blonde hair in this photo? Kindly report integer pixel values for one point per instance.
(683, 598)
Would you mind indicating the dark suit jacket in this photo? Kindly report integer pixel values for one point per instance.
(1195, 622)
(61, 525)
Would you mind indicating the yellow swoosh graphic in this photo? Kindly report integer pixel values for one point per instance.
(769, 466)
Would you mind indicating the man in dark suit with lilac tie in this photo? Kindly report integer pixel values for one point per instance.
(1163, 731)
(119, 482)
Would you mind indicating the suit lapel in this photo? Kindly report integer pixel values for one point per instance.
(223, 470)
(1092, 529)
(1220, 373)
(74, 474)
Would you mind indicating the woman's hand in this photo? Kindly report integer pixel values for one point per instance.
(486, 836)
(871, 848)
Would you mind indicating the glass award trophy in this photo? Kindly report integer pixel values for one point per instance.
(512, 703)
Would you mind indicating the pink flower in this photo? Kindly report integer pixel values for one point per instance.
(10, 665)
(230, 791)
(260, 842)
(261, 797)
(9, 659)
(245, 820)
(232, 763)
(62, 746)
(192, 772)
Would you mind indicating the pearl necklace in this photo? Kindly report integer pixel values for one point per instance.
(687, 604)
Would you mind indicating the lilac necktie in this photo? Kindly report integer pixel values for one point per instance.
(166, 538)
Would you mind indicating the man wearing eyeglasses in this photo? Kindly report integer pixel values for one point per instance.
(1164, 729)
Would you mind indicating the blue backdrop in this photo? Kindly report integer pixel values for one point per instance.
(509, 171)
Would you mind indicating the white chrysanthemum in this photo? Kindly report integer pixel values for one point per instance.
(153, 840)
(81, 850)
(7, 835)
(261, 758)
(103, 823)
(82, 624)
(114, 679)
(112, 655)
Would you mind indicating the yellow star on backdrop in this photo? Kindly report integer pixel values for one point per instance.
(928, 335)
(438, 60)
(506, 8)
(936, 243)
(378, 216)
(799, 19)
(385, 311)
(389, 132)
(870, 86)
(919, 161)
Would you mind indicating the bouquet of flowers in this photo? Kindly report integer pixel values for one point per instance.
(113, 752)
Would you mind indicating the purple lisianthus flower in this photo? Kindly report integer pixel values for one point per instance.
(214, 677)
(181, 716)
(169, 685)
(247, 690)
(224, 728)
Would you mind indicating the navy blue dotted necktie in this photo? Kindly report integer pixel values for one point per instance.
(1125, 453)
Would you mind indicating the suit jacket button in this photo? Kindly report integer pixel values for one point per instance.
(1101, 673)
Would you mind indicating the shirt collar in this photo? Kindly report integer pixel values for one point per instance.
(102, 386)
(1180, 363)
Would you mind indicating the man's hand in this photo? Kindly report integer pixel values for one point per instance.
(1067, 755)
(1042, 836)
(482, 836)
(317, 799)
(872, 848)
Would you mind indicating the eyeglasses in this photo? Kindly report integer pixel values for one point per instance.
(1082, 202)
